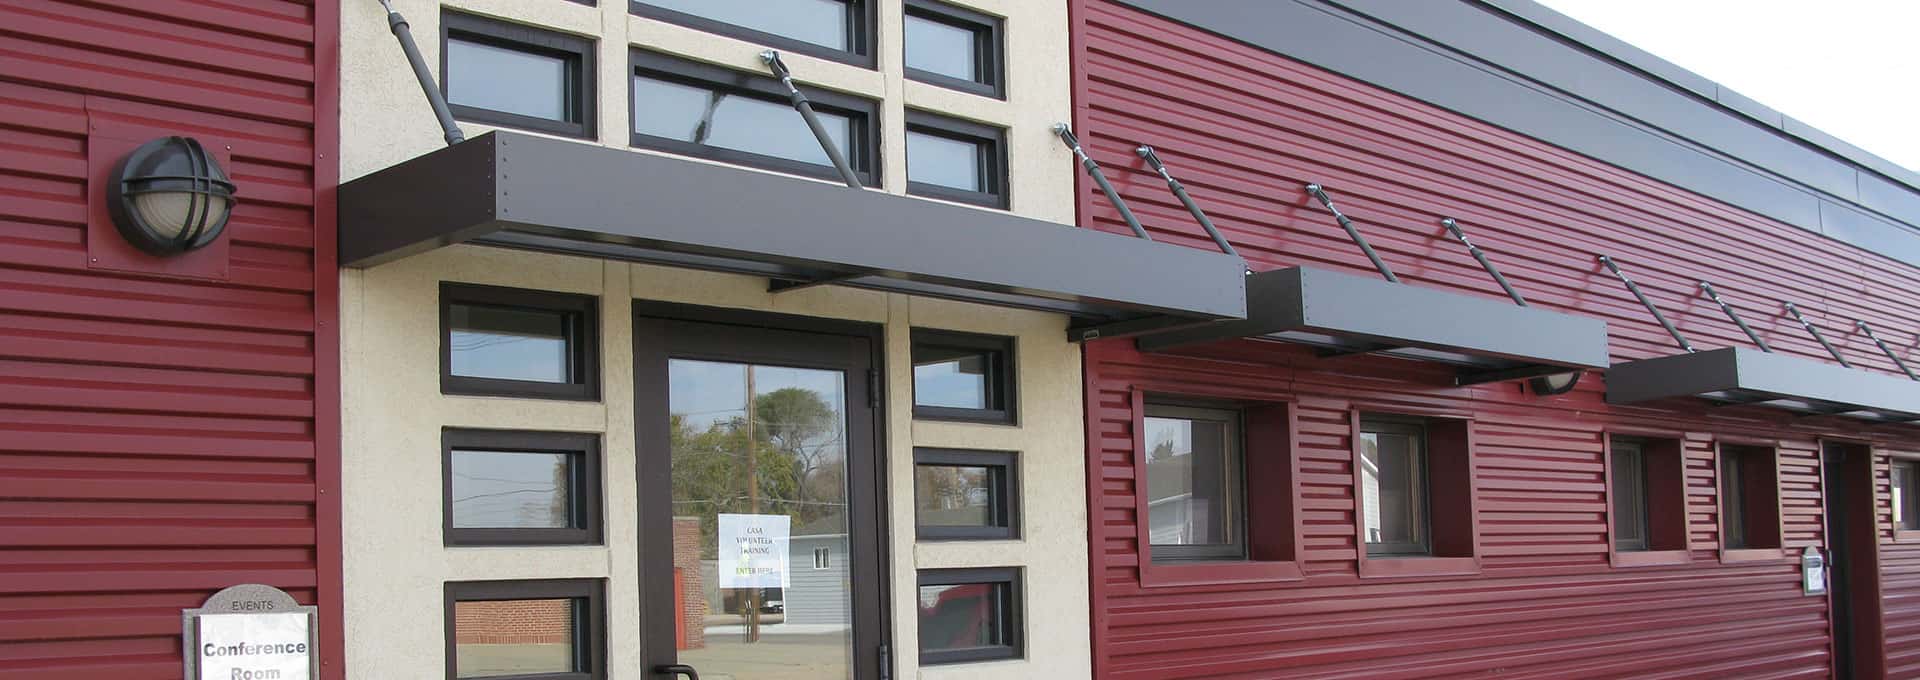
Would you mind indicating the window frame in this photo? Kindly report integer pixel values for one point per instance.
(1237, 549)
(586, 472)
(590, 592)
(990, 148)
(1756, 469)
(1004, 480)
(1911, 467)
(1638, 498)
(1004, 382)
(583, 338)
(862, 18)
(822, 558)
(863, 140)
(580, 51)
(1013, 604)
(989, 47)
(1422, 506)
(1452, 497)
(1668, 511)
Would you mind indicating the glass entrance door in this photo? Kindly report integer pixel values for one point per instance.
(767, 435)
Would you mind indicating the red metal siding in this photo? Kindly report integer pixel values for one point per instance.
(1900, 579)
(163, 437)
(1244, 129)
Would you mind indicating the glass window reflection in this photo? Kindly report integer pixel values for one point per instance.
(942, 48)
(700, 115)
(820, 22)
(944, 161)
(1393, 486)
(497, 78)
(508, 343)
(494, 638)
(511, 490)
(1193, 479)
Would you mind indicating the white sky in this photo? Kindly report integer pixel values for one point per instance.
(1850, 68)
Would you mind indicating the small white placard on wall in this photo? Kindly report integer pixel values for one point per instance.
(753, 550)
(255, 647)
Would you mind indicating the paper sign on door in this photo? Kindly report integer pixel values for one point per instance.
(753, 550)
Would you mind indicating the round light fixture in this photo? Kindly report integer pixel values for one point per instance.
(1558, 383)
(170, 196)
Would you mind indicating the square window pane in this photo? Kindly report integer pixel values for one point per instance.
(955, 495)
(512, 490)
(821, 22)
(944, 161)
(700, 115)
(963, 617)
(508, 343)
(514, 637)
(1393, 481)
(943, 48)
(502, 79)
(1192, 479)
(954, 377)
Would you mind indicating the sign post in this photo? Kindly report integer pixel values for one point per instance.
(249, 632)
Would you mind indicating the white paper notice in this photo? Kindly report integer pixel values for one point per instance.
(254, 647)
(753, 550)
(1816, 580)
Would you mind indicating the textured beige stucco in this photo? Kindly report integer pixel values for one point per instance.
(395, 563)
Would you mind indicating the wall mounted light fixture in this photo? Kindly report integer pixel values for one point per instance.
(170, 196)
(1558, 383)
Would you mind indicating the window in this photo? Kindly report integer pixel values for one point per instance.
(1414, 495)
(550, 630)
(1749, 498)
(1629, 495)
(516, 76)
(520, 488)
(963, 376)
(1393, 477)
(956, 160)
(518, 343)
(1647, 500)
(953, 47)
(965, 494)
(841, 30)
(969, 615)
(1194, 494)
(1906, 504)
(712, 112)
(823, 558)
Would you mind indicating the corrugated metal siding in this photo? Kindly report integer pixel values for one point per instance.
(1244, 129)
(157, 435)
(1899, 579)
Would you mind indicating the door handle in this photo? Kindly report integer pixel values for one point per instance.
(678, 669)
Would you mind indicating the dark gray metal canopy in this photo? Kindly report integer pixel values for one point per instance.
(1489, 339)
(1736, 375)
(522, 191)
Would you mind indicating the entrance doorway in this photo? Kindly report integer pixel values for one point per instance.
(1853, 555)
(759, 495)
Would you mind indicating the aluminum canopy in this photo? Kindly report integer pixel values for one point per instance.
(1345, 314)
(523, 191)
(1736, 375)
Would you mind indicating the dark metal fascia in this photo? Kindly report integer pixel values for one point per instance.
(1761, 377)
(597, 201)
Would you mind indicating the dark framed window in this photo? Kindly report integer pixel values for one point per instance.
(1196, 504)
(520, 488)
(960, 494)
(1629, 490)
(1905, 477)
(708, 111)
(970, 615)
(526, 630)
(512, 342)
(517, 76)
(823, 558)
(963, 376)
(839, 30)
(954, 47)
(956, 160)
(1749, 497)
(1393, 479)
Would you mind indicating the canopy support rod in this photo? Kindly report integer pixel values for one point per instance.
(1453, 228)
(1100, 177)
(1864, 328)
(1353, 233)
(1180, 192)
(435, 99)
(1815, 332)
(1708, 288)
(1657, 316)
(800, 103)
